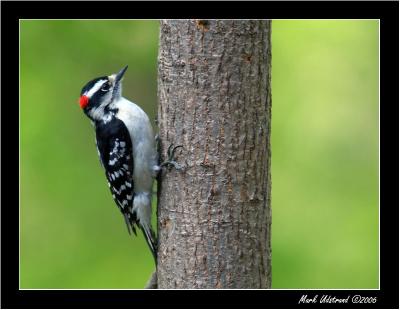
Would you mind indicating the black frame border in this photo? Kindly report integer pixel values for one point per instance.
(387, 11)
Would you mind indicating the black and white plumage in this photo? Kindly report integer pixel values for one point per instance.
(126, 147)
(115, 151)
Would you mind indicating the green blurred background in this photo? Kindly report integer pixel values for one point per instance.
(324, 154)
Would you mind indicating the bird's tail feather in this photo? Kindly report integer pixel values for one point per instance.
(129, 225)
(151, 240)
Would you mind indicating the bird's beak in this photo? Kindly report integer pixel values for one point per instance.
(120, 74)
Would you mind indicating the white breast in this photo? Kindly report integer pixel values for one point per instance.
(143, 143)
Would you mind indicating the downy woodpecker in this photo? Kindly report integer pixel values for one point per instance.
(127, 149)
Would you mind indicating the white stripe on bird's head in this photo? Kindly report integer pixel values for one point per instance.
(95, 88)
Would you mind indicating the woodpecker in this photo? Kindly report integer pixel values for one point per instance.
(126, 147)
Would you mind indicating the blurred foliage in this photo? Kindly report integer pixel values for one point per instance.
(324, 154)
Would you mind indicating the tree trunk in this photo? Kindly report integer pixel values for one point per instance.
(214, 216)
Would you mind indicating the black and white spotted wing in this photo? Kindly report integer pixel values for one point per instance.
(115, 150)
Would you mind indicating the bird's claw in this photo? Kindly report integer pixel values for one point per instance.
(170, 162)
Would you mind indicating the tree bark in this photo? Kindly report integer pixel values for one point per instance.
(214, 216)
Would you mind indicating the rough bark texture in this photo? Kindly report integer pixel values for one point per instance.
(214, 217)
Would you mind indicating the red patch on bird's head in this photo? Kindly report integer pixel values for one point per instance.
(83, 101)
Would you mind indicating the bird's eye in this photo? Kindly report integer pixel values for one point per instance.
(105, 87)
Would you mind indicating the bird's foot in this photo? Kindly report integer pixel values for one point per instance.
(170, 162)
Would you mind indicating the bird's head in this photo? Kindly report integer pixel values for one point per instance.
(100, 93)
